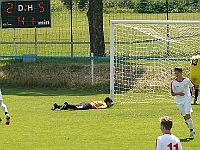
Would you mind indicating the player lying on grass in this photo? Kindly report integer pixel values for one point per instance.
(85, 105)
(5, 110)
(195, 74)
(180, 88)
(167, 141)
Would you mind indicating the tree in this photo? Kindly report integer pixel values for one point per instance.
(143, 6)
(95, 20)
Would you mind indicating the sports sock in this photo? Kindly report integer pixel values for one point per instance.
(191, 130)
(4, 108)
(186, 123)
(190, 92)
(190, 123)
(196, 93)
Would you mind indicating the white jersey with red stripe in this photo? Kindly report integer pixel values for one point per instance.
(181, 86)
(168, 142)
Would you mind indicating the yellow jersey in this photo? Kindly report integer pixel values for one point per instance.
(195, 69)
(98, 105)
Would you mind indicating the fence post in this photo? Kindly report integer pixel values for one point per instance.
(92, 67)
(36, 44)
(14, 38)
(72, 46)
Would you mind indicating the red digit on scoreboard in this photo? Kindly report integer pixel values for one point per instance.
(21, 20)
(33, 20)
(9, 9)
(41, 7)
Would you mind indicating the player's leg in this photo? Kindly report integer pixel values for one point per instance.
(5, 110)
(67, 106)
(182, 111)
(188, 118)
(196, 93)
(56, 106)
(83, 106)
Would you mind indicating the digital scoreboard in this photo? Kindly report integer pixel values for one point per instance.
(25, 14)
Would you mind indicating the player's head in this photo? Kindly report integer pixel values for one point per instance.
(178, 72)
(165, 123)
(108, 101)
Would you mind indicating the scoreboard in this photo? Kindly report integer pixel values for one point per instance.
(25, 14)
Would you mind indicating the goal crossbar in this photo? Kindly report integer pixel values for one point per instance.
(154, 22)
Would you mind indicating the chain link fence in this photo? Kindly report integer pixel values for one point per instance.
(69, 37)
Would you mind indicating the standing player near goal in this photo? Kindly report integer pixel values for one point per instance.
(195, 74)
(167, 141)
(4, 108)
(180, 88)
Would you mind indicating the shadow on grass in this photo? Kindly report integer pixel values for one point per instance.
(194, 104)
(185, 140)
(48, 92)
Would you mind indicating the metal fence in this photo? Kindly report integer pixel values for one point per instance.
(69, 34)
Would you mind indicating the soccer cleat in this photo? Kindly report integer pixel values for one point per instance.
(54, 106)
(192, 134)
(7, 120)
(195, 102)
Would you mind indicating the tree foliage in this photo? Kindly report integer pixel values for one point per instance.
(143, 6)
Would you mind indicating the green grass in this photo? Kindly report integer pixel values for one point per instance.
(122, 127)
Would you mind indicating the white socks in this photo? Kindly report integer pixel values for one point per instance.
(0, 95)
(190, 123)
(4, 108)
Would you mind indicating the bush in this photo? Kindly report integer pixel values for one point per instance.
(143, 6)
(51, 75)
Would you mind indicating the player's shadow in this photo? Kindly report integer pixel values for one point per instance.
(185, 140)
(194, 104)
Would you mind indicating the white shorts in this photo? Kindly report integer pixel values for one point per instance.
(185, 108)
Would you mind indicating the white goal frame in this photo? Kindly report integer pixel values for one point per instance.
(112, 22)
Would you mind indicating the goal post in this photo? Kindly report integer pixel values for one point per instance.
(143, 54)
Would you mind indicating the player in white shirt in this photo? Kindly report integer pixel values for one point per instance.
(167, 141)
(180, 88)
(5, 110)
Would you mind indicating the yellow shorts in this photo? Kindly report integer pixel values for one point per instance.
(195, 80)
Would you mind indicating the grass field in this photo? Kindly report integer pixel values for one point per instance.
(128, 125)
(124, 126)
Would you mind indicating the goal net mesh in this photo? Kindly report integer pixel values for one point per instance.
(145, 56)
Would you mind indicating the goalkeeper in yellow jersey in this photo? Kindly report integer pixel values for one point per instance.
(195, 74)
(85, 105)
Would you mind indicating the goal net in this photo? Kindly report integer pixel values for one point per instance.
(143, 54)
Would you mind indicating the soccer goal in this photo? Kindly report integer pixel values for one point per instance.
(143, 54)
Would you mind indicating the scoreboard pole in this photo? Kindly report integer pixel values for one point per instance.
(14, 39)
(36, 43)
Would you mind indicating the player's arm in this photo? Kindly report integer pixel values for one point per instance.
(179, 93)
(102, 105)
(191, 86)
(158, 144)
(180, 147)
(192, 91)
(174, 93)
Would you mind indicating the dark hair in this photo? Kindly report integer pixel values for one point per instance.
(107, 99)
(166, 122)
(178, 69)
